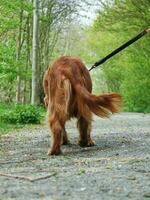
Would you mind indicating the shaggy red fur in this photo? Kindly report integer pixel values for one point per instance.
(67, 86)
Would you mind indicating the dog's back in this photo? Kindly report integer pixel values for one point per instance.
(59, 84)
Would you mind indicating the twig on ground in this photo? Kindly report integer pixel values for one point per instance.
(28, 178)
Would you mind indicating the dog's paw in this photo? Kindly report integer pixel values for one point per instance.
(83, 143)
(91, 143)
(54, 152)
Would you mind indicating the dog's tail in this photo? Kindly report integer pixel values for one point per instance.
(102, 105)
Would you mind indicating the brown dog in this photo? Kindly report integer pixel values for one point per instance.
(67, 86)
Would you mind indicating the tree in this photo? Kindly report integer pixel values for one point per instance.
(35, 64)
(16, 32)
(18, 52)
(127, 72)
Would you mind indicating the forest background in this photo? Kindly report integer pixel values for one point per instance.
(52, 28)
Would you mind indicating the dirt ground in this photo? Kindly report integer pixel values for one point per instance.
(118, 167)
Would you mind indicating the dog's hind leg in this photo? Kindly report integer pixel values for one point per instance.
(57, 131)
(84, 127)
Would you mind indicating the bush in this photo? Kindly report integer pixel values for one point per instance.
(23, 114)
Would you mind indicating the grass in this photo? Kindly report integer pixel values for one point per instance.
(8, 126)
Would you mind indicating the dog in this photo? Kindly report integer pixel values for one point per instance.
(68, 93)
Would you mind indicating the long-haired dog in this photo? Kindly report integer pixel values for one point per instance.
(68, 93)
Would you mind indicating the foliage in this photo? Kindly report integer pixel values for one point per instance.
(129, 71)
(16, 23)
(21, 114)
(59, 34)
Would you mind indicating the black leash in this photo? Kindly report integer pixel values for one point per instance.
(125, 45)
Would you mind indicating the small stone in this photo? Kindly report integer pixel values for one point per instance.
(131, 178)
(83, 189)
(119, 167)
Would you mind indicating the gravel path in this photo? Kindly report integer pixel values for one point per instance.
(118, 167)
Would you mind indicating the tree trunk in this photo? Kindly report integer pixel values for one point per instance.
(35, 73)
(18, 52)
(27, 60)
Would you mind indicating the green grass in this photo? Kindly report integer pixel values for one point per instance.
(13, 117)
